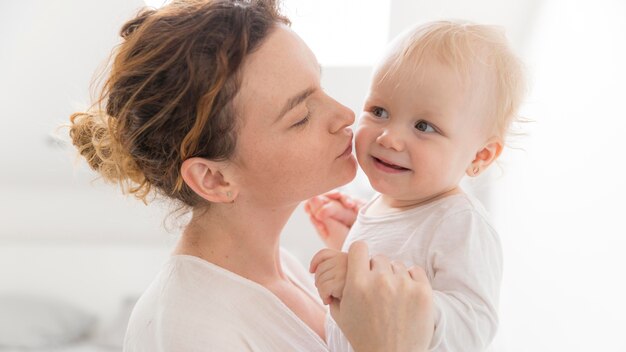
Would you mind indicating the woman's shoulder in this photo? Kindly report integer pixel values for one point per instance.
(190, 283)
(195, 289)
(197, 304)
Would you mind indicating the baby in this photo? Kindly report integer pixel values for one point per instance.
(439, 107)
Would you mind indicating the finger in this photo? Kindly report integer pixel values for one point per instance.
(330, 288)
(333, 194)
(330, 270)
(381, 264)
(325, 294)
(319, 225)
(345, 199)
(399, 268)
(321, 256)
(335, 309)
(337, 211)
(336, 227)
(418, 274)
(358, 260)
(325, 266)
(316, 202)
(307, 208)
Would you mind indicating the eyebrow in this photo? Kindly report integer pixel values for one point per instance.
(295, 101)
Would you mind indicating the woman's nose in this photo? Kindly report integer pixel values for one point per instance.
(391, 139)
(342, 117)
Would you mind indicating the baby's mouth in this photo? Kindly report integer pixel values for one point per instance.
(387, 164)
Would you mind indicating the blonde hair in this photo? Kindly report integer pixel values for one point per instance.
(462, 45)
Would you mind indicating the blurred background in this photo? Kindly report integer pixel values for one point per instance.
(84, 252)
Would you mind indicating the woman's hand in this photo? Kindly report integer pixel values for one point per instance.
(384, 307)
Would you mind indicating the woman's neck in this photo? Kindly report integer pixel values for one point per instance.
(244, 240)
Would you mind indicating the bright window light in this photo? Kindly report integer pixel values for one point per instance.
(341, 33)
(156, 3)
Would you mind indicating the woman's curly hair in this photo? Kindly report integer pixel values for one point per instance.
(168, 95)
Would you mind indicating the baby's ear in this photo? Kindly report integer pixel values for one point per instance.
(209, 180)
(489, 152)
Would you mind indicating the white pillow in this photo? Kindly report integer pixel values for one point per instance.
(32, 321)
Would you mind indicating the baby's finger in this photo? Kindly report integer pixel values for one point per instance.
(337, 211)
(345, 199)
(328, 265)
(330, 289)
(314, 203)
(324, 293)
(321, 256)
(323, 277)
(320, 226)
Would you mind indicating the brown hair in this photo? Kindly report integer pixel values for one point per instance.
(168, 96)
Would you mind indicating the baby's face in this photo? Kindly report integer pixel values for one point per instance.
(419, 131)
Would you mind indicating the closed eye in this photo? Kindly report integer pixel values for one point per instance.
(303, 121)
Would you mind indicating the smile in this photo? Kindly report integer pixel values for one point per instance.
(388, 167)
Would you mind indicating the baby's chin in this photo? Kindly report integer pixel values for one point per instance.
(384, 187)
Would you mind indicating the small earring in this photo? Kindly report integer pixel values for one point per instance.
(476, 170)
(228, 194)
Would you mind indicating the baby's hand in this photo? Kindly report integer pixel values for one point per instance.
(330, 267)
(333, 214)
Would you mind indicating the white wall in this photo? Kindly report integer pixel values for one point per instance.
(559, 204)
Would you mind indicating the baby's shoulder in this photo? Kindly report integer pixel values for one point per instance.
(460, 205)
(463, 216)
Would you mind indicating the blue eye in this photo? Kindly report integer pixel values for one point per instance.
(380, 112)
(424, 126)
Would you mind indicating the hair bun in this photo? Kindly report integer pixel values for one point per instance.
(93, 135)
(89, 134)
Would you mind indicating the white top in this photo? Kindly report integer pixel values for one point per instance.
(453, 241)
(194, 305)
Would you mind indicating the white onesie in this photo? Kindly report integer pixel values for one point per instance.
(452, 239)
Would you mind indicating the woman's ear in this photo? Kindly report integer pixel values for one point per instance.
(207, 178)
(485, 156)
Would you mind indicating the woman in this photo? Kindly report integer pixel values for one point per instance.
(218, 106)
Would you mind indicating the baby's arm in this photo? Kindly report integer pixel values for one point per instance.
(330, 267)
(466, 262)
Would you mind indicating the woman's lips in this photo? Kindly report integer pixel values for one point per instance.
(387, 166)
(347, 151)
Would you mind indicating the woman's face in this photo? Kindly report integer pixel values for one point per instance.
(294, 140)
